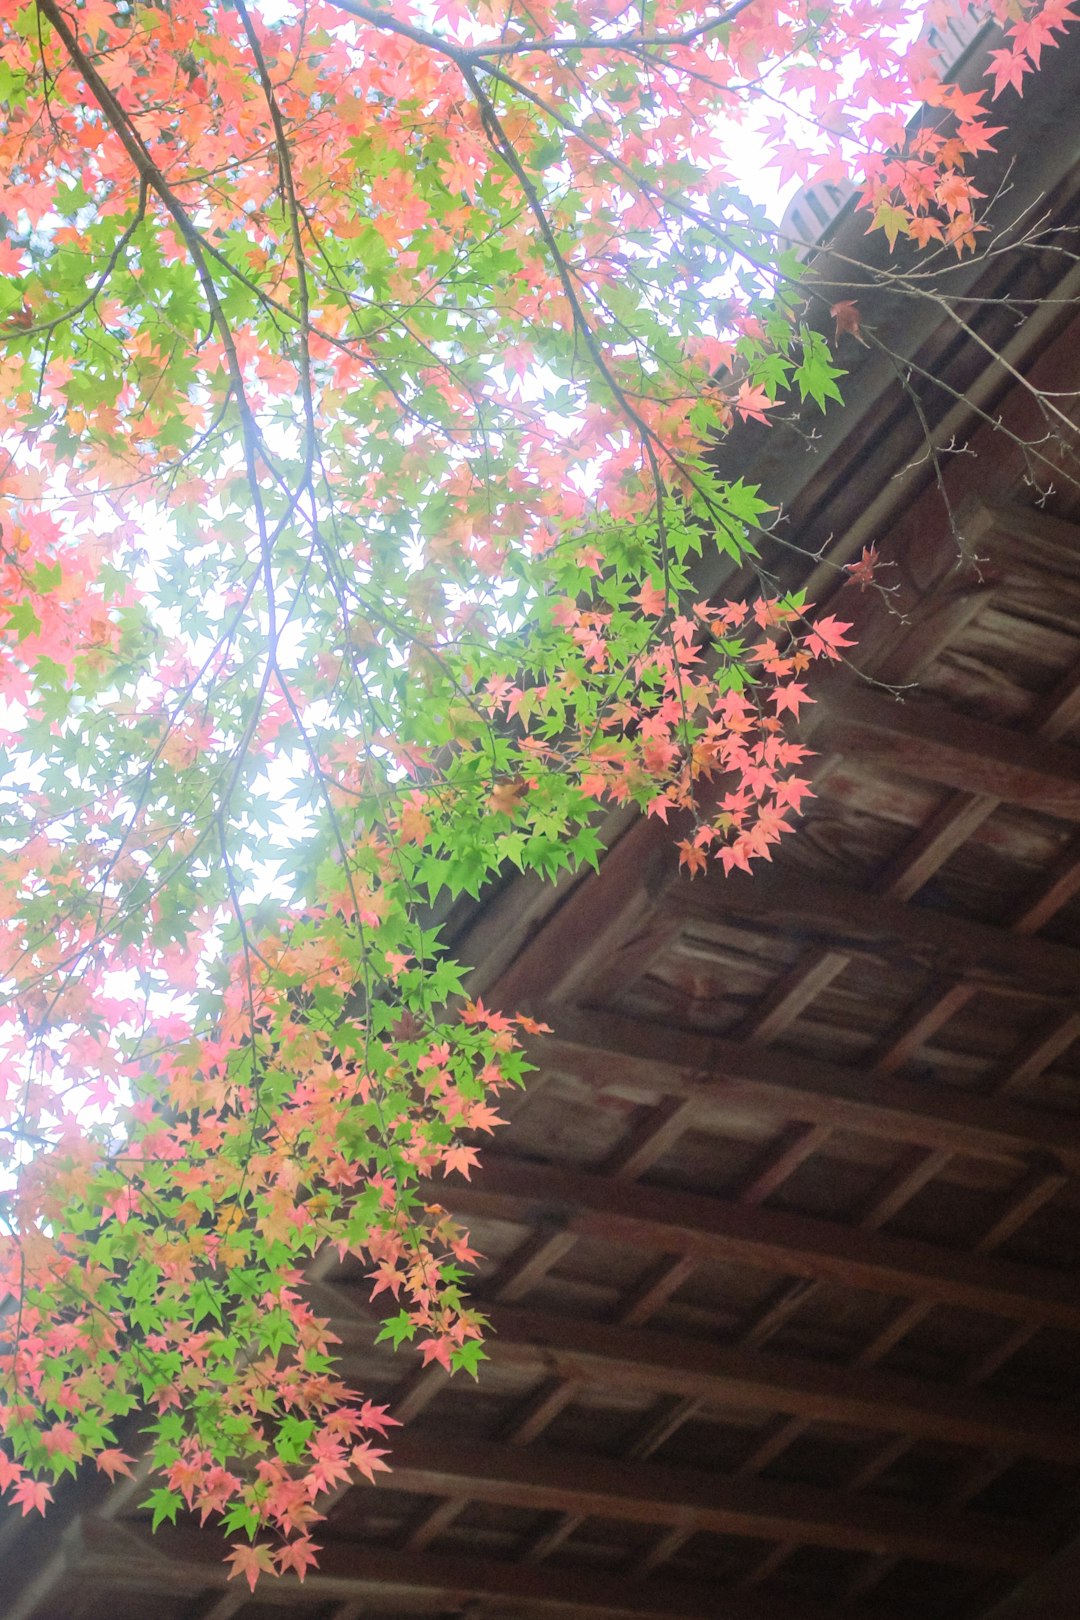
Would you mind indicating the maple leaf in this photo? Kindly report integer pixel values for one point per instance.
(479, 1116)
(846, 315)
(250, 1559)
(113, 1462)
(414, 825)
(692, 856)
(792, 790)
(386, 1275)
(1009, 67)
(827, 637)
(367, 1459)
(505, 797)
(299, 1555)
(474, 1012)
(789, 698)
(652, 600)
(377, 1418)
(31, 1495)
(863, 570)
(533, 1026)
(894, 221)
(752, 403)
(461, 1159)
(925, 228)
(435, 1350)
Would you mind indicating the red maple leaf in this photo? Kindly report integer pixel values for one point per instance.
(1009, 67)
(827, 637)
(31, 1493)
(651, 599)
(369, 1460)
(298, 1555)
(863, 570)
(790, 697)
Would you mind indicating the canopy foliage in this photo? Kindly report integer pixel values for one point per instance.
(359, 365)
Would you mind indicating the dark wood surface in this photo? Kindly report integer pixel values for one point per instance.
(783, 1238)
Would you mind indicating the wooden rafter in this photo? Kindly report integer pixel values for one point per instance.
(628, 1054)
(867, 924)
(662, 1363)
(548, 1480)
(657, 1364)
(180, 1561)
(932, 743)
(794, 1245)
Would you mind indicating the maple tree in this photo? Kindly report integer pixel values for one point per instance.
(358, 369)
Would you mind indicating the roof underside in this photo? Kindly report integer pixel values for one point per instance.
(782, 1240)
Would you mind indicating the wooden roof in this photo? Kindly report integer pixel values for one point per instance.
(782, 1241)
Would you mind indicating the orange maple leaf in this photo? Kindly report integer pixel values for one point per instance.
(506, 796)
(113, 1462)
(250, 1561)
(693, 858)
(460, 1158)
(847, 318)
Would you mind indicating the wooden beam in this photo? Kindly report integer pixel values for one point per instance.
(655, 1288)
(962, 814)
(223, 1606)
(421, 1388)
(596, 1486)
(1033, 1192)
(632, 1055)
(792, 994)
(1037, 1189)
(901, 878)
(1056, 890)
(950, 826)
(654, 1136)
(430, 1523)
(543, 1249)
(1025, 541)
(909, 1178)
(1056, 1038)
(929, 1014)
(867, 924)
(920, 738)
(595, 910)
(177, 1560)
(799, 1143)
(820, 1392)
(538, 1413)
(545, 1479)
(672, 1222)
